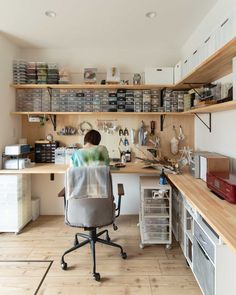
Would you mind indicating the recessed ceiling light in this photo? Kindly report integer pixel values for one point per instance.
(151, 14)
(50, 13)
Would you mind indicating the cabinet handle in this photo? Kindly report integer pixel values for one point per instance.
(224, 22)
(207, 39)
(186, 61)
(202, 239)
(195, 52)
(203, 252)
(159, 70)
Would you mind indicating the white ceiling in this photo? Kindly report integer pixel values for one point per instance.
(101, 23)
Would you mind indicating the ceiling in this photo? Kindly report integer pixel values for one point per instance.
(101, 23)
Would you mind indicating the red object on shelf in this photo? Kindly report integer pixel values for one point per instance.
(223, 184)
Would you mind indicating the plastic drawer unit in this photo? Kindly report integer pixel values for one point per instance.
(155, 212)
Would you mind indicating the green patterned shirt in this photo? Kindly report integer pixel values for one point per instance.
(92, 156)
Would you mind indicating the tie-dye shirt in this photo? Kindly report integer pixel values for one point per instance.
(92, 156)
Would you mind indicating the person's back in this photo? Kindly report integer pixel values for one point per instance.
(92, 154)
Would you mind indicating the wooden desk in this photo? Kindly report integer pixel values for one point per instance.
(220, 214)
(131, 168)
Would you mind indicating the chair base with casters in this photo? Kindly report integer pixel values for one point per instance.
(93, 237)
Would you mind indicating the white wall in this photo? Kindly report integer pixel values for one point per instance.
(10, 126)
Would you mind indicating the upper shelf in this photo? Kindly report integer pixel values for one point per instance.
(215, 67)
(91, 86)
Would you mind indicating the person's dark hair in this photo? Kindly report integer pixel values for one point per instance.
(93, 137)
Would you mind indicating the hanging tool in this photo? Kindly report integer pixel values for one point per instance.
(181, 134)
(126, 132)
(141, 134)
(153, 127)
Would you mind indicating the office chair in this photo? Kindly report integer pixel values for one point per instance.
(89, 204)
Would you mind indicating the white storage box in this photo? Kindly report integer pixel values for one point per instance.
(35, 203)
(159, 75)
(178, 72)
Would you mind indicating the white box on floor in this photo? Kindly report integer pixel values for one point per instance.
(35, 203)
(159, 75)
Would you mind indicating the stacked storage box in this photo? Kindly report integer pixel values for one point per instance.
(187, 101)
(36, 96)
(155, 100)
(53, 73)
(46, 101)
(173, 101)
(121, 100)
(64, 100)
(112, 101)
(129, 103)
(88, 100)
(55, 104)
(45, 152)
(138, 100)
(42, 72)
(104, 100)
(19, 72)
(146, 100)
(80, 100)
(15, 202)
(97, 101)
(31, 73)
(72, 100)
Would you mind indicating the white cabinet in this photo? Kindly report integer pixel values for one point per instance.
(159, 75)
(155, 212)
(213, 263)
(177, 72)
(15, 202)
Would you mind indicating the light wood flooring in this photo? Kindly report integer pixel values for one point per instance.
(34, 256)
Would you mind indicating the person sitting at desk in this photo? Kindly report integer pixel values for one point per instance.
(92, 154)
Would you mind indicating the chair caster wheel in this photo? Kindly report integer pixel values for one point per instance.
(124, 255)
(141, 246)
(115, 227)
(108, 239)
(96, 276)
(168, 246)
(64, 265)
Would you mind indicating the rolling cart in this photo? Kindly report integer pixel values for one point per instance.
(155, 212)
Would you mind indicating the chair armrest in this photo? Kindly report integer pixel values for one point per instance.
(121, 193)
(120, 189)
(62, 193)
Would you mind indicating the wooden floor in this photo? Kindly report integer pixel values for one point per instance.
(34, 256)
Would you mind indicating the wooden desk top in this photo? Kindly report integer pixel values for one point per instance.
(220, 214)
(131, 168)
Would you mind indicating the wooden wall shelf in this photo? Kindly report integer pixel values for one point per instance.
(91, 86)
(102, 113)
(220, 107)
(213, 68)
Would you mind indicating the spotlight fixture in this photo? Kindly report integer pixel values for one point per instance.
(151, 14)
(50, 13)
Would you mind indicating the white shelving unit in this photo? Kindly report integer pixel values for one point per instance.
(155, 212)
(15, 202)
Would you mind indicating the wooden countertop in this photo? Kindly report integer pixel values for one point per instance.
(131, 168)
(220, 214)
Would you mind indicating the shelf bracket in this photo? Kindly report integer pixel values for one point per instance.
(209, 117)
(53, 119)
(162, 119)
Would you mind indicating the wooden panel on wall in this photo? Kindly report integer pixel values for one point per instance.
(33, 132)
